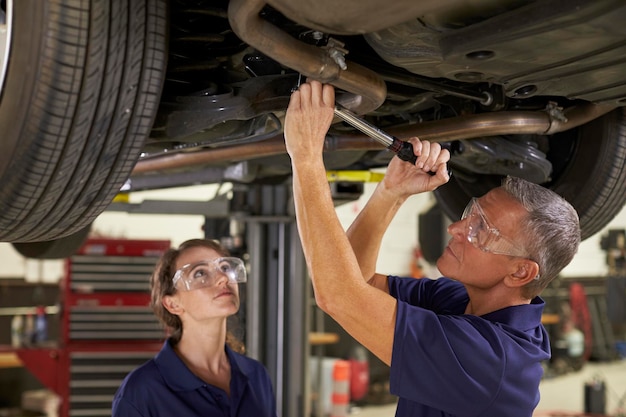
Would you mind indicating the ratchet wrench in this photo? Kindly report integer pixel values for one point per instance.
(404, 150)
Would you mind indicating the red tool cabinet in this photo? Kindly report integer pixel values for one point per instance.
(107, 327)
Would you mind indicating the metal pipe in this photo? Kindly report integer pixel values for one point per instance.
(459, 128)
(272, 146)
(500, 123)
(483, 97)
(313, 62)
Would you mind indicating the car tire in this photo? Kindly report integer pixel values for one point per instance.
(81, 92)
(589, 165)
(63, 247)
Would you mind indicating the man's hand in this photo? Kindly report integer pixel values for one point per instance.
(309, 115)
(308, 118)
(404, 179)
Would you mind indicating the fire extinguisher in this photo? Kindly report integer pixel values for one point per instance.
(359, 373)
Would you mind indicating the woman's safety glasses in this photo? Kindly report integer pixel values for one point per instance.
(486, 238)
(207, 272)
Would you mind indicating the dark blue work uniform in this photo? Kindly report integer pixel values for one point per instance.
(447, 363)
(164, 386)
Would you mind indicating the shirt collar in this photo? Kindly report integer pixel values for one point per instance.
(523, 317)
(180, 378)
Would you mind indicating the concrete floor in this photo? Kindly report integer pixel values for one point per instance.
(561, 396)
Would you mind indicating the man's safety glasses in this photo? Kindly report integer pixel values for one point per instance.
(207, 272)
(485, 237)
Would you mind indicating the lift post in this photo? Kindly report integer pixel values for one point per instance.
(275, 309)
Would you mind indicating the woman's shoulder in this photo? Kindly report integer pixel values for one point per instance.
(141, 377)
(141, 391)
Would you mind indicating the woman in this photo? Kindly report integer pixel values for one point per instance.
(196, 373)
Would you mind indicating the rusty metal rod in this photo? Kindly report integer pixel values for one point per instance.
(459, 128)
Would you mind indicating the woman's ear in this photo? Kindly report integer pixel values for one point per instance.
(172, 305)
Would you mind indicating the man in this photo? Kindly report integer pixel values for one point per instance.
(468, 344)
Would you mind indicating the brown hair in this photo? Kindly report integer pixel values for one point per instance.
(161, 285)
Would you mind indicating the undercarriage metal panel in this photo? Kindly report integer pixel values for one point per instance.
(533, 50)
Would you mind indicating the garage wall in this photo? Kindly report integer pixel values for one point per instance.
(401, 237)
(591, 259)
(396, 253)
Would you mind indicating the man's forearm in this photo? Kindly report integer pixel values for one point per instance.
(340, 289)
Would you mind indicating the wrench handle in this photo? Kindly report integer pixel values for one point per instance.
(404, 150)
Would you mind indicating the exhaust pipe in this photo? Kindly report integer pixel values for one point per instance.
(460, 128)
(368, 90)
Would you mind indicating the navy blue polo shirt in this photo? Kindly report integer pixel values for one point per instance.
(447, 363)
(164, 386)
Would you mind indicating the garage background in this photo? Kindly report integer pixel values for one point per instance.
(397, 252)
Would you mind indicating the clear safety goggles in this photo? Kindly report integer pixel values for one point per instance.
(207, 272)
(485, 237)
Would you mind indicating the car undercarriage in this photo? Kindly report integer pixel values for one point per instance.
(198, 91)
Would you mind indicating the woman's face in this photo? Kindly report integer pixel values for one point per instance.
(217, 300)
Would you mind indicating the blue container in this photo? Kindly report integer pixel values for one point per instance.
(41, 325)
